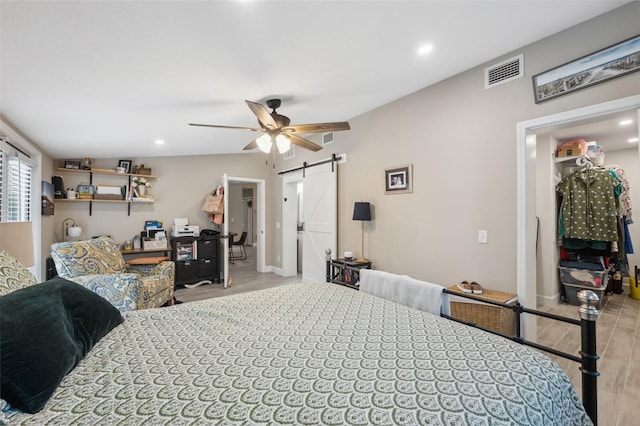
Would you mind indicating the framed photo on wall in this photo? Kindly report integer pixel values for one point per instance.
(398, 180)
(600, 66)
(72, 164)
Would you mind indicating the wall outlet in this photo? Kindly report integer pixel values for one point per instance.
(483, 237)
(278, 258)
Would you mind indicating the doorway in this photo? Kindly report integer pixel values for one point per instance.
(258, 207)
(526, 193)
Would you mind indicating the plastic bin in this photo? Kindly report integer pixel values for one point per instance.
(571, 291)
(584, 277)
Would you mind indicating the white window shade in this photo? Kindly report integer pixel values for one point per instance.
(16, 184)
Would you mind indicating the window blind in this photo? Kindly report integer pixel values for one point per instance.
(16, 169)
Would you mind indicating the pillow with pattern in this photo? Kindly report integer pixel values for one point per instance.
(13, 276)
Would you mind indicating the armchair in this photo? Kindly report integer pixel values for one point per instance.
(98, 265)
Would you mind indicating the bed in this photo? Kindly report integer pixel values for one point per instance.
(309, 353)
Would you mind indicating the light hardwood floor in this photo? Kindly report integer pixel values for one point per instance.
(618, 344)
(618, 341)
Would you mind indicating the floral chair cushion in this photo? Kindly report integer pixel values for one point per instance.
(13, 276)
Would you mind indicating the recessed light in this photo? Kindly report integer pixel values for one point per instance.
(423, 50)
(626, 122)
(159, 141)
(632, 140)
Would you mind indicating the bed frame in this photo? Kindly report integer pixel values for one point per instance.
(588, 357)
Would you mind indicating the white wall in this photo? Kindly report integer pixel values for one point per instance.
(461, 140)
(547, 257)
(179, 191)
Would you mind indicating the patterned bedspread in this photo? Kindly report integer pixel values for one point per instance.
(307, 354)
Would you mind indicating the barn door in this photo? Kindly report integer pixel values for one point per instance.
(320, 211)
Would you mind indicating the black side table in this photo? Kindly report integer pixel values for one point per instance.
(345, 272)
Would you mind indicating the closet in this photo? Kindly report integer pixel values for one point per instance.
(593, 210)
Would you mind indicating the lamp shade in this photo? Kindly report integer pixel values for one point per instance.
(361, 211)
(16, 238)
(264, 143)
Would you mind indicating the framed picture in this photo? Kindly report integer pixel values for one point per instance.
(72, 164)
(398, 180)
(48, 195)
(126, 165)
(605, 64)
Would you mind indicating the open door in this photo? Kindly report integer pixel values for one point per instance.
(225, 232)
(320, 213)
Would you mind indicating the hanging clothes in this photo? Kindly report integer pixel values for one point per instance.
(589, 210)
(624, 197)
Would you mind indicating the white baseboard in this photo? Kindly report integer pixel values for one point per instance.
(547, 300)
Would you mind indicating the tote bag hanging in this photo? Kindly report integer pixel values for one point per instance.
(214, 204)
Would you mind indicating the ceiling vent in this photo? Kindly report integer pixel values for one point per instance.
(327, 138)
(504, 72)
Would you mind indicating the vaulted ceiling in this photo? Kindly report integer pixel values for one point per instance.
(86, 78)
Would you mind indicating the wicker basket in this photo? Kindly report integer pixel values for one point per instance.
(491, 317)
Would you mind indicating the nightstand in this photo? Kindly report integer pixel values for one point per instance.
(345, 272)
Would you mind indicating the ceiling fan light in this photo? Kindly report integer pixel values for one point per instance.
(283, 143)
(264, 143)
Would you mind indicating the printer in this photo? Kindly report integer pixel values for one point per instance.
(181, 228)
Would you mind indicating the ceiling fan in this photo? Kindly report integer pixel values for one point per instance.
(277, 129)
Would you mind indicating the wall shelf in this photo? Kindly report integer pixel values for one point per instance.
(103, 172)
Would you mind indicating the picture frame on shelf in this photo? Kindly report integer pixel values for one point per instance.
(603, 65)
(398, 180)
(126, 165)
(72, 164)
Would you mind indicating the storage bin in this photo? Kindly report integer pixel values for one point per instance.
(492, 317)
(149, 244)
(571, 291)
(575, 276)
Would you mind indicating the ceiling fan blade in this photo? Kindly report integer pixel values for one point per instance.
(304, 143)
(317, 127)
(251, 145)
(228, 127)
(264, 117)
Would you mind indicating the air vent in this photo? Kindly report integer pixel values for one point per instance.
(327, 138)
(504, 72)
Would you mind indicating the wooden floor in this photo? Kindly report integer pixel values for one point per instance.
(618, 344)
(245, 278)
(618, 331)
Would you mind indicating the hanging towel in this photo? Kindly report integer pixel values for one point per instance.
(403, 289)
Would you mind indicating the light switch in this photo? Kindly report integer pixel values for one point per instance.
(483, 237)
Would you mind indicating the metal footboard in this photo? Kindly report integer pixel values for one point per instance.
(588, 356)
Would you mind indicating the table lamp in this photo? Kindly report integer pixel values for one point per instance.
(16, 238)
(362, 212)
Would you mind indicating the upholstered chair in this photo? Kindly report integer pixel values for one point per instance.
(98, 265)
(13, 276)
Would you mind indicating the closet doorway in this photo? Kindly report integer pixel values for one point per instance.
(526, 198)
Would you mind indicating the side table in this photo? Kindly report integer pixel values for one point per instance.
(345, 272)
(492, 317)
